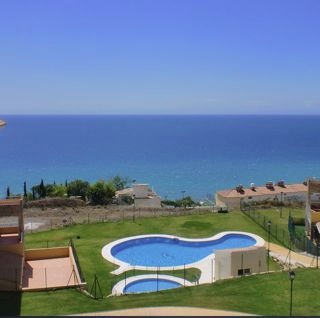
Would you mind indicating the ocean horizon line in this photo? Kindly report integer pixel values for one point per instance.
(165, 115)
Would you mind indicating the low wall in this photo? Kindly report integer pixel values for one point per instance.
(9, 230)
(17, 248)
(46, 253)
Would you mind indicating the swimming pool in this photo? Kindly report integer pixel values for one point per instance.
(169, 251)
(148, 283)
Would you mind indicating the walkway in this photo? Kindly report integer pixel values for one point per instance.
(167, 311)
(295, 259)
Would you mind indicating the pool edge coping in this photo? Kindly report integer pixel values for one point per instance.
(123, 266)
(118, 289)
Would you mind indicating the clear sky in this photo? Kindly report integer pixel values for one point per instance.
(160, 57)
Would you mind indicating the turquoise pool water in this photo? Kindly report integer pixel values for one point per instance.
(162, 251)
(149, 285)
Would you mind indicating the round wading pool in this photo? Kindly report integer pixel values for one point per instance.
(150, 285)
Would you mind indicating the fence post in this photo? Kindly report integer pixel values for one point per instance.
(125, 283)
(242, 264)
(211, 270)
(157, 278)
(45, 277)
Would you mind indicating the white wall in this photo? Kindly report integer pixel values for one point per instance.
(228, 262)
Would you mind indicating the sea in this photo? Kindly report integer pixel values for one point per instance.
(176, 155)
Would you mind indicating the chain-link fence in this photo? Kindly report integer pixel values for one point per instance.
(303, 243)
(278, 231)
(285, 234)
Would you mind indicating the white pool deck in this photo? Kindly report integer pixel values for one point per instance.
(118, 289)
(205, 265)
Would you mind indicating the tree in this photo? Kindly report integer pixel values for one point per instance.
(25, 189)
(8, 192)
(120, 182)
(42, 190)
(59, 190)
(186, 201)
(39, 190)
(78, 188)
(101, 192)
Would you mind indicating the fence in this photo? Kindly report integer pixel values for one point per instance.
(301, 243)
(286, 235)
(74, 251)
(49, 220)
(277, 231)
(181, 273)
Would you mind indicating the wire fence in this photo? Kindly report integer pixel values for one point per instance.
(301, 243)
(76, 259)
(277, 231)
(181, 273)
(286, 235)
(50, 221)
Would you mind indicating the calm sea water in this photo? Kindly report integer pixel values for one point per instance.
(195, 154)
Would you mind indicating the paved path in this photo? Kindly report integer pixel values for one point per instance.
(296, 259)
(167, 311)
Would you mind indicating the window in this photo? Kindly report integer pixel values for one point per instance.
(245, 271)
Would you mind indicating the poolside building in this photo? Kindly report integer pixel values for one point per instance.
(240, 261)
(233, 198)
(312, 215)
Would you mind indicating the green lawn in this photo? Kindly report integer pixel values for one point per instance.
(266, 294)
(236, 294)
(274, 215)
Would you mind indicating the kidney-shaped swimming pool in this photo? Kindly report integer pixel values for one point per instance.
(166, 251)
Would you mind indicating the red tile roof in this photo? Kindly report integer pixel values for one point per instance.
(289, 188)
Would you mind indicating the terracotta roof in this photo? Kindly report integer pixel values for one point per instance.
(289, 188)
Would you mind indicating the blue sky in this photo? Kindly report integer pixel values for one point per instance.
(160, 57)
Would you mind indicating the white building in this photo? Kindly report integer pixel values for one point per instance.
(240, 261)
(142, 195)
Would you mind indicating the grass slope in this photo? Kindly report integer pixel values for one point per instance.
(237, 294)
(267, 294)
